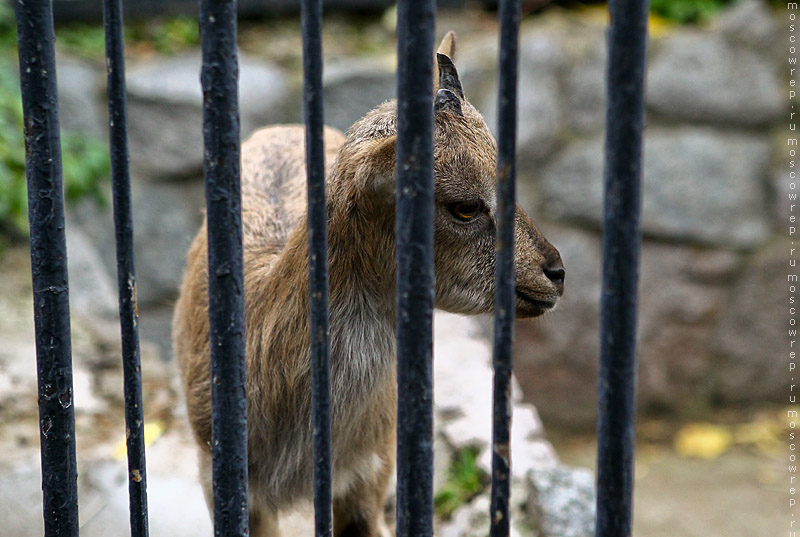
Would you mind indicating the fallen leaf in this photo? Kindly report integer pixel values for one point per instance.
(152, 432)
(703, 441)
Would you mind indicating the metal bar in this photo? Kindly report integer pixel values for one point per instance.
(621, 244)
(505, 282)
(126, 275)
(318, 265)
(415, 280)
(48, 265)
(225, 274)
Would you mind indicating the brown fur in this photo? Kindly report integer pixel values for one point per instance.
(362, 308)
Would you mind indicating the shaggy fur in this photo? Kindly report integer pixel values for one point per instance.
(361, 212)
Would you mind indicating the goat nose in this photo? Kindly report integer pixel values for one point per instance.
(556, 274)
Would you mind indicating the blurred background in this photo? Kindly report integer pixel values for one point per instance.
(713, 383)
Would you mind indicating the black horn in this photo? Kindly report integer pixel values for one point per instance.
(448, 75)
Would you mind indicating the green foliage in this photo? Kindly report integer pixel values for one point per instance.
(84, 158)
(82, 40)
(464, 481)
(162, 36)
(8, 28)
(13, 193)
(688, 11)
(169, 36)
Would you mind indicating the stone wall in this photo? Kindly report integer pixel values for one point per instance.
(709, 303)
(711, 307)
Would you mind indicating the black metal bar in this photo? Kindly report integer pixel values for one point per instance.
(505, 294)
(318, 264)
(225, 274)
(37, 68)
(415, 280)
(621, 244)
(126, 275)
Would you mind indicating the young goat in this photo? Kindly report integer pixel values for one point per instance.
(361, 170)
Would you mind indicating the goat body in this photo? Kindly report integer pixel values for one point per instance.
(361, 220)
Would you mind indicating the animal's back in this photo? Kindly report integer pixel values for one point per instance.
(273, 203)
(274, 182)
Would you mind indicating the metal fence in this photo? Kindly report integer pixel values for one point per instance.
(414, 235)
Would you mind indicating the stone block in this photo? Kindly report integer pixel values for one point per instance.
(701, 77)
(700, 185)
(165, 113)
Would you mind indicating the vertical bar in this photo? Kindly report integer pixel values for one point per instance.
(37, 69)
(318, 265)
(505, 295)
(621, 243)
(225, 282)
(126, 275)
(415, 280)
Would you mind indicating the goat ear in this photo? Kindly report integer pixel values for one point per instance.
(448, 45)
(377, 167)
(448, 101)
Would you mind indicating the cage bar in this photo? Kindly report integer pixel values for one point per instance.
(318, 265)
(415, 280)
(221, 168)
(126, 275)
(37, 67)
(621, 245)
(505, 282)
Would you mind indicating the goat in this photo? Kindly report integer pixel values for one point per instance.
(361, 218)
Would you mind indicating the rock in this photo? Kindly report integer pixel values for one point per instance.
(751, 336)
(462, 358)
(585, 91)
(749, 22)
(354, 87)
(166, 217)
(155, 325)
(470, 520)
(80, 108)
(561, 502)
(165, 110)
(699, 185)
(539, 106)
(550, 502)
(92, 291)
(555, 360)
(682, 294)
(702, 78)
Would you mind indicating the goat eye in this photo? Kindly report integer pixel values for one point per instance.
(466, 211)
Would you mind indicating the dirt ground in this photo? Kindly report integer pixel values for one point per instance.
(741, 493)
